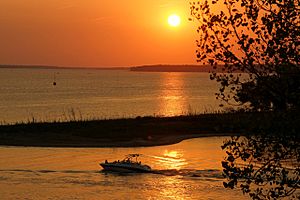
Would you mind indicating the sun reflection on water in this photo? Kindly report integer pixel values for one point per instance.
(173, 97)
(171, 160)
(174, 188)
(172, 154)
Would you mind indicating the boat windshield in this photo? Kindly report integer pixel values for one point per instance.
(133, 158)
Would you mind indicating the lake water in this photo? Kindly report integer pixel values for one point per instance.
(187, 170)
(30, 93)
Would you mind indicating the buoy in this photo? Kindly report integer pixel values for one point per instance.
(54, 79)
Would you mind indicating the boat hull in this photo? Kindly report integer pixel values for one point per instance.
(124, 168)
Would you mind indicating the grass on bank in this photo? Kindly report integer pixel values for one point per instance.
(145, 131)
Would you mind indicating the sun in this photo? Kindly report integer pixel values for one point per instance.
(174, 20)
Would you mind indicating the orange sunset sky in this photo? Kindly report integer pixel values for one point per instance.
(95, 32)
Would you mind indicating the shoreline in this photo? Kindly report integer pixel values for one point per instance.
(135, 143)
(145, 131)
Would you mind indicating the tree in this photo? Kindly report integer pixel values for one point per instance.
(269, 167)
(253, 46)
(257, 37)
(266, 162)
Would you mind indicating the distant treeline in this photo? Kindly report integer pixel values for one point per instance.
(142, 68)
(31, 67)
(174, 68)
(58, 67)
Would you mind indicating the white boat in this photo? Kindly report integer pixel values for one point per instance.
(129, 164)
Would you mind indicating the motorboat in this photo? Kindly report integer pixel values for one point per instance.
(129, 164)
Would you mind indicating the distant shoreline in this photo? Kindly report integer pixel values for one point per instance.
(142, 68)
(172, 68)
(143, 131)
(59, 67)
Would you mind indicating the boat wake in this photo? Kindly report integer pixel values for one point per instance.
(45, 171)
(205, 173)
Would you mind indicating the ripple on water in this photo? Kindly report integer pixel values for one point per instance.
(187, 170)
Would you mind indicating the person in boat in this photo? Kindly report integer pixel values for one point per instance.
(106, 162)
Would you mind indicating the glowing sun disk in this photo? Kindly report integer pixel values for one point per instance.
(174, 20)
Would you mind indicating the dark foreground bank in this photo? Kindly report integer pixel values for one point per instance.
(144, 131)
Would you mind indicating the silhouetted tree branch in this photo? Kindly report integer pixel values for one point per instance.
(256, 44)
(257, 37)
(267, 167)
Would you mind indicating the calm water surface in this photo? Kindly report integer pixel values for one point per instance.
(29, 93)
(188, 170)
